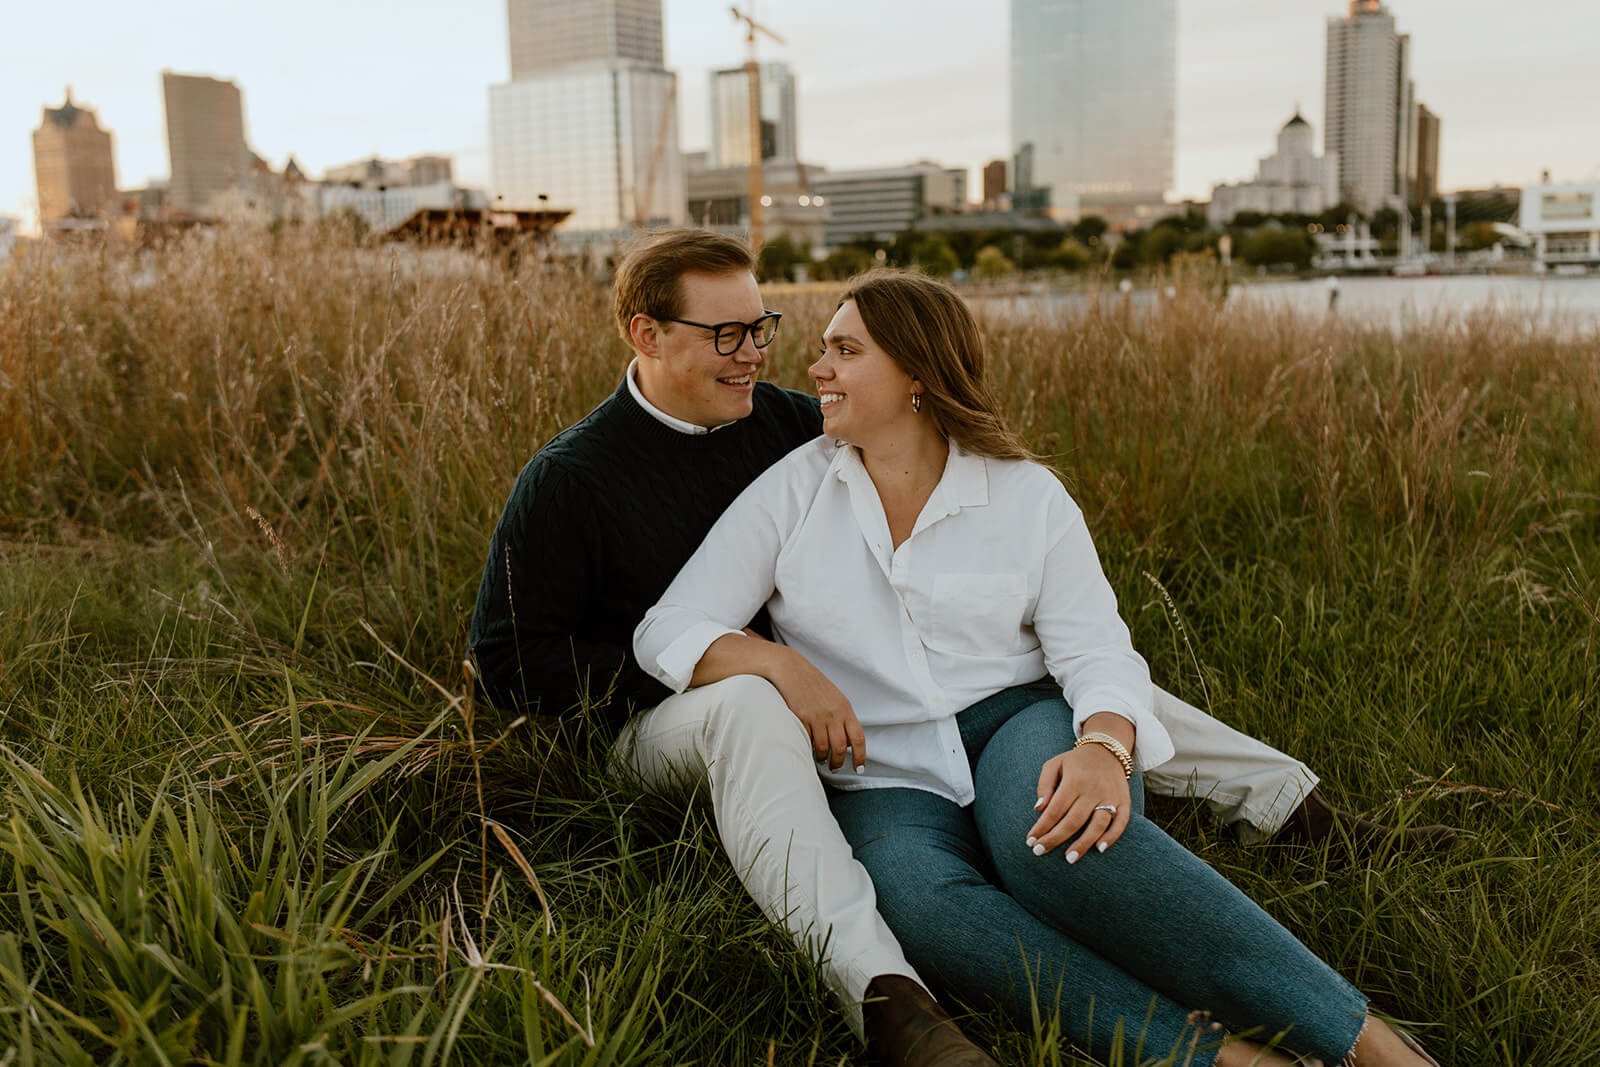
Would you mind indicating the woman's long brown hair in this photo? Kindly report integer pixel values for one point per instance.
(927, 329)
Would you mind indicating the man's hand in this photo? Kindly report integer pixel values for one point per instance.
(1070, 785)
(836, 734)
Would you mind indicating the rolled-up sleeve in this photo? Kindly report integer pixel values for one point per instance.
(1087, 647)
(722, 586)
(674, 665)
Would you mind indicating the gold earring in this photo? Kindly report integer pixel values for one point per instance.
(916, 402)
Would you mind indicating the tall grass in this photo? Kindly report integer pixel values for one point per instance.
(251, 814)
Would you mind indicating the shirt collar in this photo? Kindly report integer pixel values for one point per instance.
(656, 413)
(964, 483)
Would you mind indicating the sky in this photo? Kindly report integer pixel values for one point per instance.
(880, 81)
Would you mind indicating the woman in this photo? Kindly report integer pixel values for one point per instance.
(945, 628)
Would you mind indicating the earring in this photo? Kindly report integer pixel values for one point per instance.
(916, 402)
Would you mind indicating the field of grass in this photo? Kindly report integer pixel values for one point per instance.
(250, 815)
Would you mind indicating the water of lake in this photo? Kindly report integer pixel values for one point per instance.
(1565, 305)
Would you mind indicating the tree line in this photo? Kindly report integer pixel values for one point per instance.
(1270, 241)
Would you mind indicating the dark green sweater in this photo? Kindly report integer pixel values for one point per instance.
(596, 527)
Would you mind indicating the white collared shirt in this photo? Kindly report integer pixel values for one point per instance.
(656, 413)
(998, 585)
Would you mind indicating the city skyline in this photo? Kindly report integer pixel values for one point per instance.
(330, 85)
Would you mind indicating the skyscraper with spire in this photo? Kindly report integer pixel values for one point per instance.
(72, 162)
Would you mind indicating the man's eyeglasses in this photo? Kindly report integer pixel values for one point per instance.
(728, 336)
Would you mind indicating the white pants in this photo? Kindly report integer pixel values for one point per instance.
(1245, 782)
(738, 739)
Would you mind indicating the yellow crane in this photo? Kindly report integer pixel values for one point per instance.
(752, 72)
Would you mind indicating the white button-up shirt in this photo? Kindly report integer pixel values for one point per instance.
(998, 585)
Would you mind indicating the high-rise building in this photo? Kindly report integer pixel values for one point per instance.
(730, 115)
(994, 183)
(597, 134)
(72, 163)
(547, 34)
(1093, 102)
(1370, 112)
(205, 140)
(1426, 185)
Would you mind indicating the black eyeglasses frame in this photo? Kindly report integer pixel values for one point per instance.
(746, 329)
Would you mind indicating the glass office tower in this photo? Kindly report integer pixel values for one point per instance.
(1093, 102)
(589, 120)
(730, 115)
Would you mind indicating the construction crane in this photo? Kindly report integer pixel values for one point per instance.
(752, 72)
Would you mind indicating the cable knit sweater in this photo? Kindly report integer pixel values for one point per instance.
(596, 527)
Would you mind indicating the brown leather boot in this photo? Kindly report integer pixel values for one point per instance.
(906, 1028)
(1315, 821)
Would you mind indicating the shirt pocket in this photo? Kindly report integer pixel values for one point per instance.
(979, 614)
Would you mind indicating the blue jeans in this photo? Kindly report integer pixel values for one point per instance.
(1123, 947)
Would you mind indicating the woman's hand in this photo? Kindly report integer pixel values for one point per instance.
(1070, 785)
(836, 734)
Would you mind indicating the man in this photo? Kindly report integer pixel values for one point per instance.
(596, 527)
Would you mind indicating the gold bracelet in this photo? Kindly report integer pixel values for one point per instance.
(1111, 745)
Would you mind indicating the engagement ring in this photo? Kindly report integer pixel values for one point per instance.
(1112, 808)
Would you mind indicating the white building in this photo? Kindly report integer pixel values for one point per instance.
(1370, 106)
(730, 115)
(589, 121)
(1564, 221)
(598, 138)
(1093, 103)
(1293, 180)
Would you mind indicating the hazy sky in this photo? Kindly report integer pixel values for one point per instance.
(880, 81)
